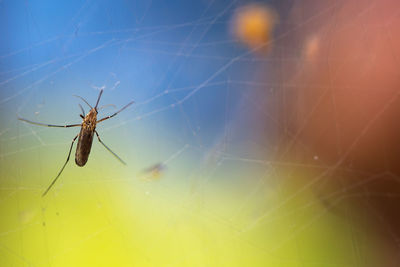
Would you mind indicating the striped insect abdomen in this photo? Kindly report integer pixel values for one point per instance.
(84, 145)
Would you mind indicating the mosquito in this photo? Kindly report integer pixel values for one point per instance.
(85, 140)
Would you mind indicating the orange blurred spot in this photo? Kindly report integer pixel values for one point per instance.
(253, 25)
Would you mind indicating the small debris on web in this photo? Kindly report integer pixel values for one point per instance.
(154, 172)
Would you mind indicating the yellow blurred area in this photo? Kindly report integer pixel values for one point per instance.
(109, 217)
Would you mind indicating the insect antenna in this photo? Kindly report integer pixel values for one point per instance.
(98, 99)
(83, 100)
(83, 111)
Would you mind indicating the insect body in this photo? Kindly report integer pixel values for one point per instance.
(85, 136)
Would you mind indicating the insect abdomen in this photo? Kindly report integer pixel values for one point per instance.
(83, 148)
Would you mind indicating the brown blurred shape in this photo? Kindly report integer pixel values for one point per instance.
(344, 106)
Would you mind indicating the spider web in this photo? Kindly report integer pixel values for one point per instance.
(279, 154)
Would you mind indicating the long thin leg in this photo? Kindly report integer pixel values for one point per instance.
(109, 117)
(98, 137)
(58, 175)
(49, 125)
(108, 105)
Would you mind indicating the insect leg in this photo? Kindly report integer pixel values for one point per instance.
(49, 125)
(98, 137)
(108, 105)
(109, 117)
(58, 175)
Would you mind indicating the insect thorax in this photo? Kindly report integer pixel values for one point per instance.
(89, 122)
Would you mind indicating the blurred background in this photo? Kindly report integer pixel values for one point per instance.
(263, 133)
